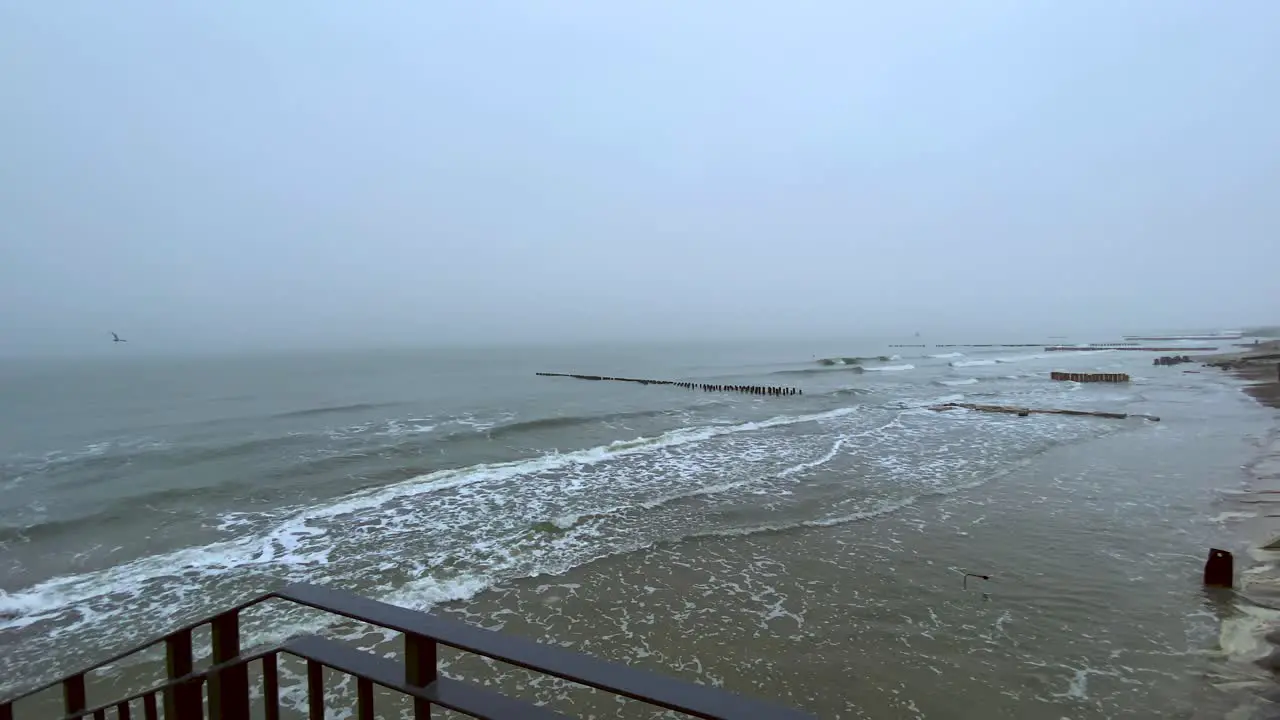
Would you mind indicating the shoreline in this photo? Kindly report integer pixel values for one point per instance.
(1252, 631)
(1259, 365)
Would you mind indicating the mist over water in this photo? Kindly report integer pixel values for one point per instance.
(463, 482)
(335, 246)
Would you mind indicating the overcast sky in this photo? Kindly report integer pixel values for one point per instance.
(366, 172)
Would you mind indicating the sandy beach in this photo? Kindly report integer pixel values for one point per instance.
(1249, 632)
(1259, 365)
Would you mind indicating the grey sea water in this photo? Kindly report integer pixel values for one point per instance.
(809, 549)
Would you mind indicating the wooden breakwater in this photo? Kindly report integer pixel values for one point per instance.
(766, 390)
(1089, 377)
(1024, 412)
(1099, 348)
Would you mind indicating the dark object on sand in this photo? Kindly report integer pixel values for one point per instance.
(1219, 570)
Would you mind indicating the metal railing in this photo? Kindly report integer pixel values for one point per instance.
(226, 681)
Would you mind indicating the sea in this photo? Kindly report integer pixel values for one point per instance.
(810, 550)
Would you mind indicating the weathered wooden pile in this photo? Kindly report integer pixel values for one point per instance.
(1089, 377)
(1024, 412)
(766, 390)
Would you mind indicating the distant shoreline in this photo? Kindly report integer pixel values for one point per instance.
(1257, 365)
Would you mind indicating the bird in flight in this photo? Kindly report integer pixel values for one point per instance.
(117, 338)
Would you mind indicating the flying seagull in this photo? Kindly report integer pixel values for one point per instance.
(117, 338)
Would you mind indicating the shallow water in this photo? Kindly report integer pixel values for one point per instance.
(809, 549)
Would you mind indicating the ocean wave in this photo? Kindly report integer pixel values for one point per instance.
(1020, 358)
(971, 363)
(953, 383)
(295, 540)
(878, 509)
(564, 421)
(330, 409)
(828, 362)
(944, 356)
(892, 368)
(820, 371)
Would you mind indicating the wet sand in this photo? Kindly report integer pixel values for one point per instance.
(1258, 365)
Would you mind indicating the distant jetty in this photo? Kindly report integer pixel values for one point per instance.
(1215, 336)
(1100, 348)
(765, 390)
(1024, 412)
(1089, 377)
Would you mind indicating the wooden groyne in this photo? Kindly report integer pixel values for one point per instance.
(1024, 412)
(991, 345)
(766, 390)
(1098, 348)
(1089, 377)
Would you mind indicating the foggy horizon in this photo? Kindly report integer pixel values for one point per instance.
(253, 177)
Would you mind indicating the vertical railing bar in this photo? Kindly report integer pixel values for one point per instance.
(100, 714)
(364, 699)
(229, 688)
(271, 687)
(6, 711)
(73, 695)
(178, 663)
(123, 711)
(419, 669)
(149, 709)
(315, 690)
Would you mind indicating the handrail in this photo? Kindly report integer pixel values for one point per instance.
(141, 647)
(422, 632)
(138, 648)
(194, 676)
(682, 696)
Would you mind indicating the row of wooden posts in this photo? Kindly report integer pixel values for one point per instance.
(766, 390)
(1089, 377)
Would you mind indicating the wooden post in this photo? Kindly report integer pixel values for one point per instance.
(419, 669)
(1219, 569)
(229, 688)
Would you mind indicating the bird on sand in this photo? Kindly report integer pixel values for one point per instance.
(117, 338)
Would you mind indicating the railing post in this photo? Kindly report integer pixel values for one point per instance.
(315, 690)
(181, 702)
(271, 687)
(229, 688)
(73, 695)
(6, 711)
(364, 699)
(419, 669)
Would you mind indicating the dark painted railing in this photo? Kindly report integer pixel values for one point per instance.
(226, 681)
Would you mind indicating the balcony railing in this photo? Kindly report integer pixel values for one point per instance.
(223, 689)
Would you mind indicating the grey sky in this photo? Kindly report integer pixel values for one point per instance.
(453, 171)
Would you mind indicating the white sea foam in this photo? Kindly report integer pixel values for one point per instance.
(943, 356)
(891, 368)
(298, 540)
(971, 363)
(965, 381)
(1021, 358)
